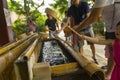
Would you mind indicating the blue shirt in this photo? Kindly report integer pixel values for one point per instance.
(79, 13)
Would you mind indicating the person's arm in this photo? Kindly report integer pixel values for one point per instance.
(98, 41)
(57, 25)
(89, 20)
(65, 23)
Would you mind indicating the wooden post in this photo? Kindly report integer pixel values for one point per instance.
(6, 33)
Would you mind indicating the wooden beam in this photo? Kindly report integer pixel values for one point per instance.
(7, 47)
(64, 69)
(6, 34)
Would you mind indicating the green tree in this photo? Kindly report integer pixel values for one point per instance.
(29, 9)
(60, 6)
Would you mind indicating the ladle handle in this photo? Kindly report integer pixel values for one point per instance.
(74, 31)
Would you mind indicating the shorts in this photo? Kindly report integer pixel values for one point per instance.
(110, 35)
(89, 33)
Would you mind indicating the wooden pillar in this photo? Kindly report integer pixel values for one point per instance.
(6, 33)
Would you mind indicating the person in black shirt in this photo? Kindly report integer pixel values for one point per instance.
(52, 24)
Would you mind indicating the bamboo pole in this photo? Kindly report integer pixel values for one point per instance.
(21, 69)
(9, 46)
(11, 55)
(63, 69)
(26, 60)
(74, 31)
(30, 51)
(91, 68)
(38, 50)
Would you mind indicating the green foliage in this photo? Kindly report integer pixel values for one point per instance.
(40, 23)
(19, 27)
(98, 27)
(16, 6)
(60, 6)
(29, 9)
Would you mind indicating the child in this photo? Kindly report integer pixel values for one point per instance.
(51, 22)
(31, 26)
(116, 50)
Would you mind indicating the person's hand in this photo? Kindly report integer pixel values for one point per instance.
(82, 37)
(58, 31)
(67, 31)
(75, 27)
(68, 34)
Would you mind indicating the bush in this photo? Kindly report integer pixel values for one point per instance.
(20, 27)
(98, 27)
